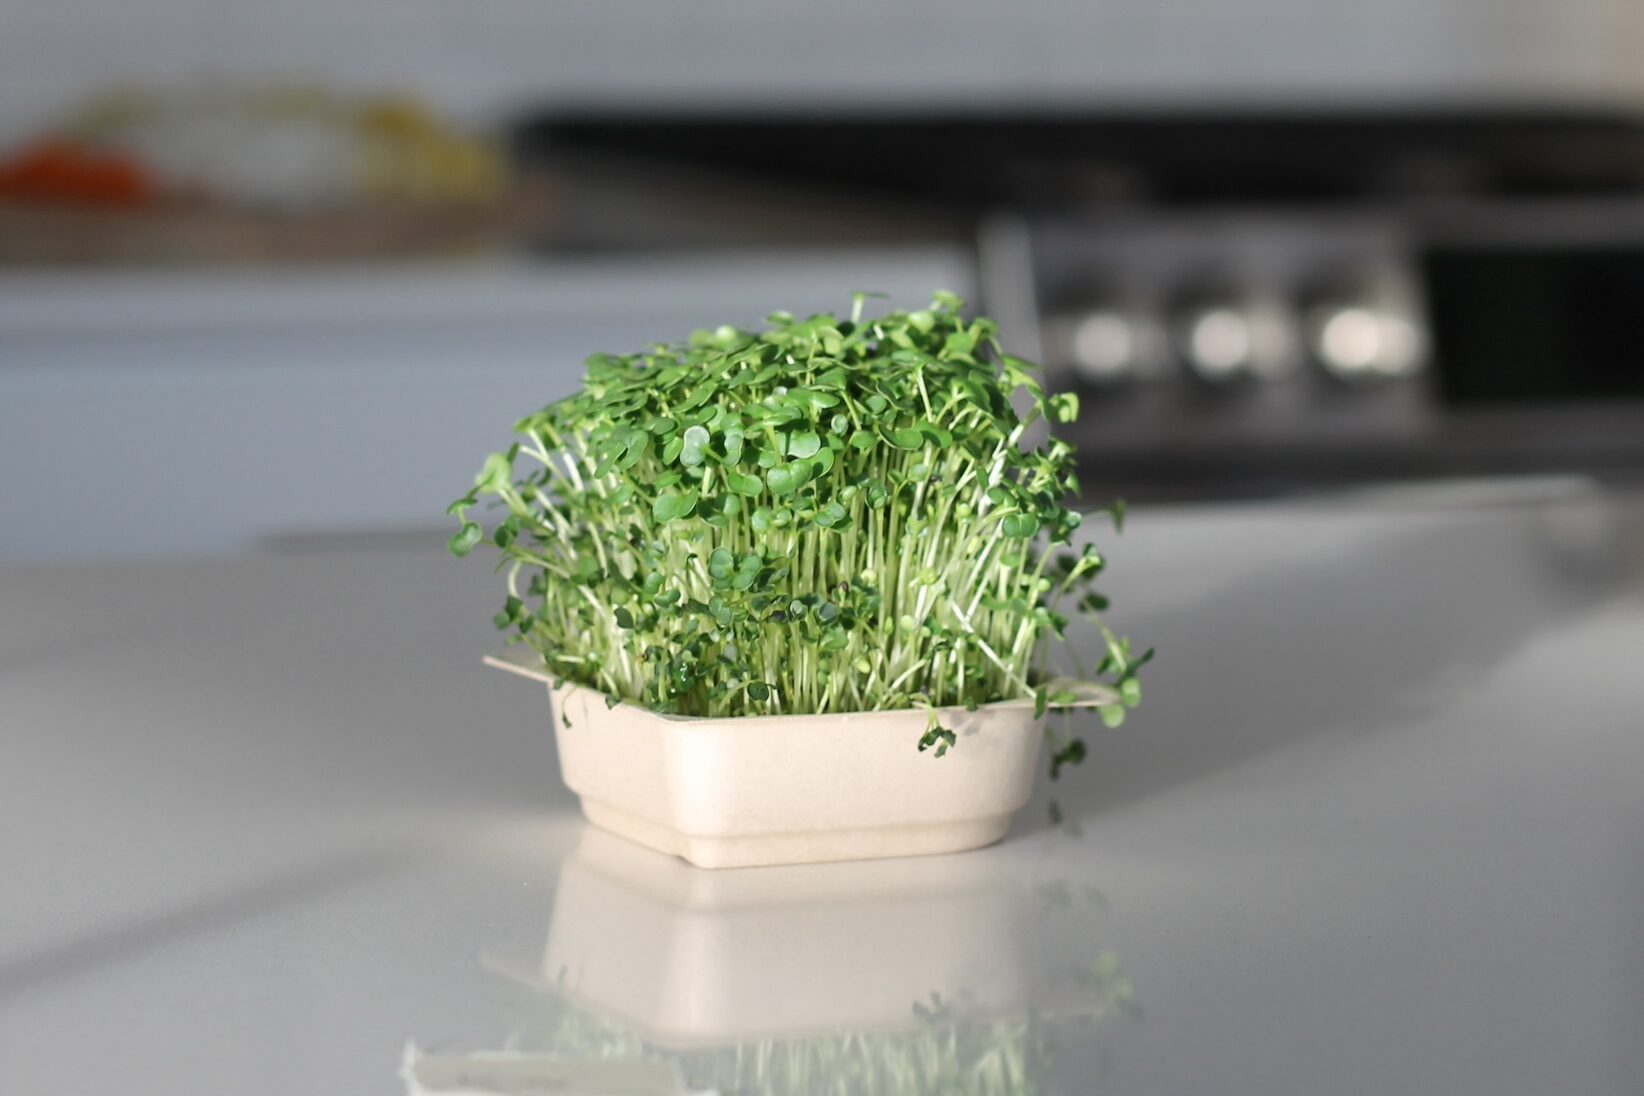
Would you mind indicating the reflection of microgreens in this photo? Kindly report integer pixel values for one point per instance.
(946, 1051)
(832, 515)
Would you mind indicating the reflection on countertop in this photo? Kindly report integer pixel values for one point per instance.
(947, 974)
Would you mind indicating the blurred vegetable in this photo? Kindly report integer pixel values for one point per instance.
(295, 148)
(58, 171)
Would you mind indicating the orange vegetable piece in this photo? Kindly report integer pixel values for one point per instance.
(57, 171)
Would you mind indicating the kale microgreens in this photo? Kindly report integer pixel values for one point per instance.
(832, 515)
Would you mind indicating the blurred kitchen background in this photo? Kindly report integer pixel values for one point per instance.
(282, 273)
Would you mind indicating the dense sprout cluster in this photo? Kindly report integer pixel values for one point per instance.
(831, 515)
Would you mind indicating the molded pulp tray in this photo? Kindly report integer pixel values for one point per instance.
(745, 791)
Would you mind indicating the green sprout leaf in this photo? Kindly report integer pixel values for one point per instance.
(1130, 690)
(672, 505)
(786, 479)
(744, 484)
(463, 540)
(495, 475)
(832, 516)
(1063, 407)
(1069, 754)
(803, 444)
(1019, 525)
(693, 446)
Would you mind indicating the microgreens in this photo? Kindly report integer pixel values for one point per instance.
(832, 515)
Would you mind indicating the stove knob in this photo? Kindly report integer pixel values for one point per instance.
(1357, 342)
(1104, 346)
(1217, 341)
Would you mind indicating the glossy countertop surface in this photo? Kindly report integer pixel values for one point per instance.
(268, 826)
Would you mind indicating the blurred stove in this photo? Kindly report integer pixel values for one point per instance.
(1254, 351)
(1247, 304)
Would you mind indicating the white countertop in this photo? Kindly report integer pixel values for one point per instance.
(1377, 828)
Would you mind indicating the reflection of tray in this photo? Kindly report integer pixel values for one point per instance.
(936, 974)
(687, 959)
(39, 235)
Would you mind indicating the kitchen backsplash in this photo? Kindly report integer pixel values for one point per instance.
(482, 57)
